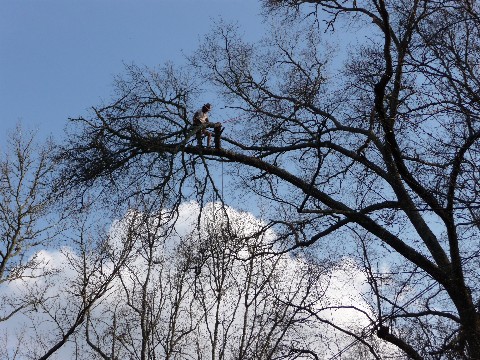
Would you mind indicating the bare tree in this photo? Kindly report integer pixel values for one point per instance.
(380, 149)
(42, 304)
(26, 171)
(86, 270)
(148, 314)
(201, 295)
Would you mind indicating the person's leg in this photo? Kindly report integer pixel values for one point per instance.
(199, 137)
(209, 138)
(217, 133)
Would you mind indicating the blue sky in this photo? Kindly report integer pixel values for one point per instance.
(59, 57)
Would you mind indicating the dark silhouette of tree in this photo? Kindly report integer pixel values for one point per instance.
(375, 145)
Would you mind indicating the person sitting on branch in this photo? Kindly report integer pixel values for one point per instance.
(200, 118)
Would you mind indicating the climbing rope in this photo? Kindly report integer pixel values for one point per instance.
(222, 183)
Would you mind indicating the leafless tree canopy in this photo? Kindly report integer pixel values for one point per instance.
(201, 296)
(374, 144)
(26, 171)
